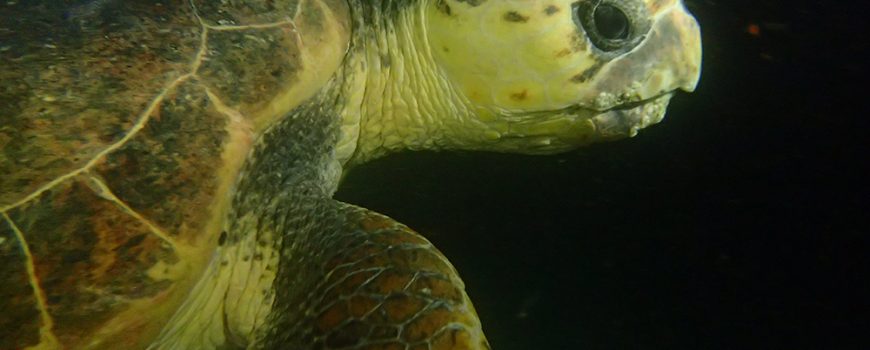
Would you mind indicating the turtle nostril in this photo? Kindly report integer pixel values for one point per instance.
(611, 22)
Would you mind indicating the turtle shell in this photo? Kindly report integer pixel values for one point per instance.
(123, 125)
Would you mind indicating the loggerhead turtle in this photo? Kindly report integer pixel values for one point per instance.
(167, 166)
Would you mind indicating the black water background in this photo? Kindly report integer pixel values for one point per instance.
(740, 222)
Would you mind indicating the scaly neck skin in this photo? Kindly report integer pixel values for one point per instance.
(407, 101)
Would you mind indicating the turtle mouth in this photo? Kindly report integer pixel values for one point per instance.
(605, 105)
(546, 132)
(626, 119)
(585, 112)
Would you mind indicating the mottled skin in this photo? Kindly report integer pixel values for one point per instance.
(168, 167)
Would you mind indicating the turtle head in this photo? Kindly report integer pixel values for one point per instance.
(549, 75)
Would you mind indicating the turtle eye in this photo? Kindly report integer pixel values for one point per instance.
(611, 23)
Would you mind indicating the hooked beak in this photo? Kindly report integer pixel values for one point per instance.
(689, 32)
(668, 59)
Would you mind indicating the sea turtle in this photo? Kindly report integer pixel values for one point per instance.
(167, 167)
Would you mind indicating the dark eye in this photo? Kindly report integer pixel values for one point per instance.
(611, 22)
(612, 26)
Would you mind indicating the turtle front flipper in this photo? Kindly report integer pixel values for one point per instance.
(297, 269)
(372, 284)
(344, 277)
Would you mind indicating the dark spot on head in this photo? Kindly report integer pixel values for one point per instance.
(442, 7)
(513, 16)
(563, 52)
(386, 62)
(445, 49)
(223, 238)
(579, 78)
(472, 2)
(551, 10)
(588, 73)
(578, 43)
(519, 96)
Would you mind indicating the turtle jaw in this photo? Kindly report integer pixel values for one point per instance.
(626, 120)
(549, 132)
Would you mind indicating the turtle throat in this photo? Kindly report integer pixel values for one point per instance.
(396, 95)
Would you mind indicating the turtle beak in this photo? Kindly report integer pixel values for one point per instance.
(686, 62)
(673, 47)
(668, 59)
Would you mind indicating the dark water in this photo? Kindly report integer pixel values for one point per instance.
(737, 223)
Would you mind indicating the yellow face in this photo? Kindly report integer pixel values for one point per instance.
(593, 62)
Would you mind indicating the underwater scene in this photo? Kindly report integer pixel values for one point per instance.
(433, 174)
(738, 222)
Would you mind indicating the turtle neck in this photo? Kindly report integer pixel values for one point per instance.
(396, 95)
